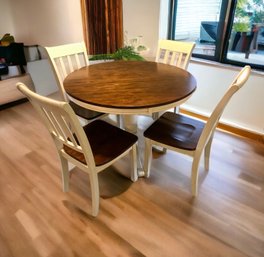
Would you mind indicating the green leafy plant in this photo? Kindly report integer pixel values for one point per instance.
(241, 26)
(126, 53)
(248, 12)
(257, 6)
(241, 20)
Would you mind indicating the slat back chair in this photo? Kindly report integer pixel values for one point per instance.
(65, 59)
(176, 53)
(91, 148)
(189, 136)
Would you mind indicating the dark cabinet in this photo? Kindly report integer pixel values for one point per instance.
(13, 54)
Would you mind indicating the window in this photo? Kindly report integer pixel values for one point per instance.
(229, 31)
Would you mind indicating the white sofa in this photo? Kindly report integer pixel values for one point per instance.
(40, 70)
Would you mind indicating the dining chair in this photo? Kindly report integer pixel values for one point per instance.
(176, 53)
(187, 135)
(65, 59)
(91, 148)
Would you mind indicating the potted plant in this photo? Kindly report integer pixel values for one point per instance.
(130, 52)
(126, 53)
(247, 15)
(241, 26)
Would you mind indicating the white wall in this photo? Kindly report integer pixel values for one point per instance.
(46, 22)
(245, 110)
(141, 18)
(163, 24)
(6, 18)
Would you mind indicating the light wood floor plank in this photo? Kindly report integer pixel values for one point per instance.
(153, 217)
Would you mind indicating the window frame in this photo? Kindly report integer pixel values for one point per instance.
(225, 24)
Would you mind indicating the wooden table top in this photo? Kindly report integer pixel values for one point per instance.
(129, 85)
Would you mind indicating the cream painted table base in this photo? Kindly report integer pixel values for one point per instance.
(130, 123)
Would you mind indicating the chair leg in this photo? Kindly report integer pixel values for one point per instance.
(164, 150)
(83, 121)
(207, 151)
(118, 118)
(64, 173)
(155, 115)
(195, 167)
(176, 109)
(133, 159)
(95, 193)
(147, 157)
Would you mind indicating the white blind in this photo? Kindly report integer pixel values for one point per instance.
(190, 14)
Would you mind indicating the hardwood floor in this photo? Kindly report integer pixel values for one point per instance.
(152, 217)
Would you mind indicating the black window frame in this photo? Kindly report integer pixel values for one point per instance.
(225, 24)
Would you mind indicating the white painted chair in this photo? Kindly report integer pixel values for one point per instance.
(91, 148)
(176, 53)
(65, 59)
(189, 136)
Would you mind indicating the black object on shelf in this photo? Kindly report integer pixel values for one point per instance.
(3, 68)
(14, 55)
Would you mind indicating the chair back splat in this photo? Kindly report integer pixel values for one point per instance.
(176, 53)
(189, 136)
(91, 148)
(65, 59)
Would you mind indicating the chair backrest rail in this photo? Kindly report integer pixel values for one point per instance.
(65, 59)
(174, 52)
(61, 122)
(212, 122)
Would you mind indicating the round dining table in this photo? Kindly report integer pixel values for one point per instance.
(129, 87)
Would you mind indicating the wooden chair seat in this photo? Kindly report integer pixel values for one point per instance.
(176, 130)
(107, 142)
